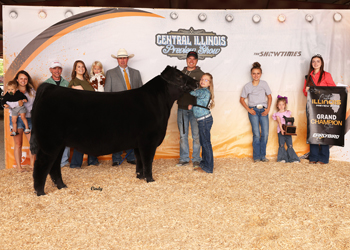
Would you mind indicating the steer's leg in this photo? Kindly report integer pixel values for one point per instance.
(55, 171)
(139, 165)
(42, 167)
(147, 155)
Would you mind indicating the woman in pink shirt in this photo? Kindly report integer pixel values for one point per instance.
(318, 77)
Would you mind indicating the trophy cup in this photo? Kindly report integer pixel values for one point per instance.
(288, 128)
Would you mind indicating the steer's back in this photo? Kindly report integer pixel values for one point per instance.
(97, 123)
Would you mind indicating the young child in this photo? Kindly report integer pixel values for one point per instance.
(14, 95)
(284, 155)
(205, 101)
(259, 102)
(97, 75)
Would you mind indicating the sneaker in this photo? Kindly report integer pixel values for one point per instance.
(199, 169)
(265, 160)
(283, 161)
(182, 163)
(257, 160)
(27, 131)
(13, 134)
(196, 164)
(94, 164)
(296, 161)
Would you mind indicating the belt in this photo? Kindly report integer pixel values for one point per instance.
(203, 117)
(259, 106)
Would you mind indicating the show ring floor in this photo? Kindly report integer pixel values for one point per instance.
(243, 205)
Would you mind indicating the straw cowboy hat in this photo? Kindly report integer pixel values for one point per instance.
(122, 53)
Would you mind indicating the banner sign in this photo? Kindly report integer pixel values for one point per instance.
(226, 49)
(179, 43)
(326, 111)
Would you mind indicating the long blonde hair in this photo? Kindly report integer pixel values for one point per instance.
(211, 89)
(98, 64)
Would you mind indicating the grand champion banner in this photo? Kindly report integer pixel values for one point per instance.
(228, 42)
(326, 111)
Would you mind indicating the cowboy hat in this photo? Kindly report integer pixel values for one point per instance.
(122, 53)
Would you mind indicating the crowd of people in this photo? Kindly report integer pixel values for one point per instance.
(193, 110)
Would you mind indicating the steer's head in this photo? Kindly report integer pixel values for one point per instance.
(176, 77)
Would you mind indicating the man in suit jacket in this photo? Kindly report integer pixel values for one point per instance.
(119, 79)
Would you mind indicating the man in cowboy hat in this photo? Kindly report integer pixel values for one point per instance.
(119, 79)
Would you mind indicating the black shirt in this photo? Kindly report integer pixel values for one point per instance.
(13, 98)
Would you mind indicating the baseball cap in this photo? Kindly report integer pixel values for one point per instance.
(55, 64)
(192, 53)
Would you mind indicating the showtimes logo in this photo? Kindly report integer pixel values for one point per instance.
(277, 53)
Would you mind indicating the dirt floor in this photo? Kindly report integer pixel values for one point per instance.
(243, 205)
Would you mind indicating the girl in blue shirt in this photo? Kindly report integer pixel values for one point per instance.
(205, 100)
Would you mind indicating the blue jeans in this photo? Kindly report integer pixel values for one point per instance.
(259, 141)
(288, 155)
(207, 163)
(77, 159)
(319, 153)
(185, 117)
(65, 156)
(117, 157)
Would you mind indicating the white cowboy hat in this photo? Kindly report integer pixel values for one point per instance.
(122, 53)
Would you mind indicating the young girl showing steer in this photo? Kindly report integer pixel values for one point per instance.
(205, 100)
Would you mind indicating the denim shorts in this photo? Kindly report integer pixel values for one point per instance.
(20, 124)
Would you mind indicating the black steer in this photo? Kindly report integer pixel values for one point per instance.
(102, 123)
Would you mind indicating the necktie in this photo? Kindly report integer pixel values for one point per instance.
(127, 80)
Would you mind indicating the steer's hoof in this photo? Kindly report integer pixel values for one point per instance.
(140, 176)
(149, 179)
(40, 193)
(62, 186)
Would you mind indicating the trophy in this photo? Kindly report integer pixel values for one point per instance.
(288, 128)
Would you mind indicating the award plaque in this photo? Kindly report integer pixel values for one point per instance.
(288, 128)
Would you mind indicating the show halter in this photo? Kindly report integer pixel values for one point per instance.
(184, 88)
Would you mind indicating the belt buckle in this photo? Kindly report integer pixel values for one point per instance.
(259, 106)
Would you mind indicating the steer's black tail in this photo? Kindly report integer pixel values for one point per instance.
(34, 148)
